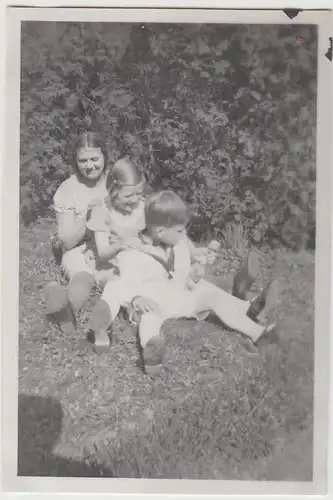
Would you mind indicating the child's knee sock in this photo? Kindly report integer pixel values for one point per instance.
(149, 327)
(79, 290)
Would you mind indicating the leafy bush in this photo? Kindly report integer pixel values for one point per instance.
(224, 114)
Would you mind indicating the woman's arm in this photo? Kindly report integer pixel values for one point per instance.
(105, 250)
(71, 229)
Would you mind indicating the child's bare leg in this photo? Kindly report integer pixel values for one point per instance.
(152, 343)
(79, 290)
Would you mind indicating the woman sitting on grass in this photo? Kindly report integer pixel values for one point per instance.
(72, 201)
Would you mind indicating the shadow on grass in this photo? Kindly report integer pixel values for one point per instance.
(39, 429)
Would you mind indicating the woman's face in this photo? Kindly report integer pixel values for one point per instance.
(90, 162)
(127, 198)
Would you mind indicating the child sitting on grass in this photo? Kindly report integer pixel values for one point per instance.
(155, 279)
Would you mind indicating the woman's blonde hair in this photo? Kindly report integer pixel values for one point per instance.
(166, 209)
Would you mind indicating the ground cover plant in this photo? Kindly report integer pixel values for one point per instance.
(226, 116)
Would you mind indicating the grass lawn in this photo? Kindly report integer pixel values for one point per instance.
(216, 412)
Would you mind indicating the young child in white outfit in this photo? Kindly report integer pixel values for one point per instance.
(72, 201)
(154, 278)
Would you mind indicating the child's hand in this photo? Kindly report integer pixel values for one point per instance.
(133, 242)
(144, 305)
(200, 255)
(212, 249)
(190, 283)
(211, 258)
(197, 272)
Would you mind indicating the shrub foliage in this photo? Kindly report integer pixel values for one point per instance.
(225, 114)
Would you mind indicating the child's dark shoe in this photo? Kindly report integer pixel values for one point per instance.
(153, 354)
(58, 308)
(262, 305)
(246, 276)
(272, 295)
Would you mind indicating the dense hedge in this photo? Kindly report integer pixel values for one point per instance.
(226, 114)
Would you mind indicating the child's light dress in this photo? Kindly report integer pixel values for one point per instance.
(74, 196)
(118, 226)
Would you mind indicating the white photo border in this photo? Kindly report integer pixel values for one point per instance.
(10, 258)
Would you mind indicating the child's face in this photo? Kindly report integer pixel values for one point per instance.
(127, 198)
(170, 236)
(90, 162)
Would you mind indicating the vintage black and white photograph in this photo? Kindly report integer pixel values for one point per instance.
(159, 159)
